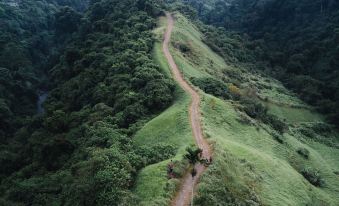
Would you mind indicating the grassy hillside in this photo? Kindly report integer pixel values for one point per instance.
(296, 41)
(254, 164)
(171, 127)
(114, 117)
(198, 60)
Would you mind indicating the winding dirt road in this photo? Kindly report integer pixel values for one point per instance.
(184, 195)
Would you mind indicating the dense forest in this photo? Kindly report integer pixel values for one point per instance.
(31, 40)
(294, 41)
(94, 62)
(102, 86)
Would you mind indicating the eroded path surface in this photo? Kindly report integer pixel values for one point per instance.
(185, 193)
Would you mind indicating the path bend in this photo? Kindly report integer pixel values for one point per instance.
(185, 193)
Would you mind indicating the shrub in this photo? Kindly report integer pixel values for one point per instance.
(275, 123)
(235, 91)
(244, 119)
(278, 138)
(180, 168)
(313, 176)
(212, 86)
(156, 153)
(321, 128)
(253, 108)
(256, 110)
(303, 152)
(183, 47)
(307, 132)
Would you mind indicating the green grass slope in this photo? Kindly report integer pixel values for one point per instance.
(171, 127)
(273, 166)
(250, 166)
(200, 60)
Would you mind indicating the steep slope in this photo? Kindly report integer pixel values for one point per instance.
(104, 88)
(114, 118)
(32, 36)
(254, 163)
(184, 194)
(171, 127)
(295, 41)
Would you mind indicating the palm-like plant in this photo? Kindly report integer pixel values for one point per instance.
(193, 155)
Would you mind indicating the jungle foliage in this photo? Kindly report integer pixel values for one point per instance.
(103, 86)
(294, 41)
(30, 45)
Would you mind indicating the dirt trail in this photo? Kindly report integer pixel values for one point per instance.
(185, 193)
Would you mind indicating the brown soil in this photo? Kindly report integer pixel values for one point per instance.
(184, 195)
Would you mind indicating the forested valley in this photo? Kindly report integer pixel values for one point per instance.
(102, 85)
(91, 112)
(294, 41)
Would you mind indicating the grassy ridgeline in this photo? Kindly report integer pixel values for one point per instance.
(251, 166)
(171, 127)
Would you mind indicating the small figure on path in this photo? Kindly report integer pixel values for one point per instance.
(193, 172)
(200, 153)
(170, 167)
